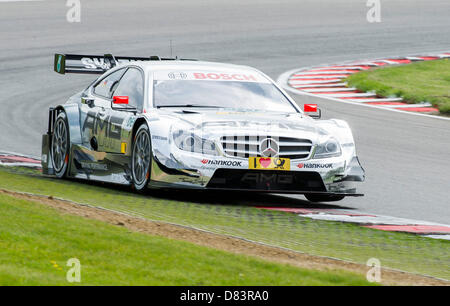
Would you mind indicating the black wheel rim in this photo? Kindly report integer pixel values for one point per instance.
(59, 145)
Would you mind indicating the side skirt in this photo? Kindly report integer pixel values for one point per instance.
(99, 166)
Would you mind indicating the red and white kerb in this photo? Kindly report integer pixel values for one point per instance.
(329, 82)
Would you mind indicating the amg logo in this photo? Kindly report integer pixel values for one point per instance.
(110, 126)
(267, 178)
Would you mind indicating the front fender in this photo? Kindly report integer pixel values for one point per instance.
(340, 130)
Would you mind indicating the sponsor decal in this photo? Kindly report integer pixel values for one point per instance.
(101, 63)
(227, 163)
(93, 166)
(58, 65)
(315, 166)
(156, 137)
(107, 130)
(269, 163)
(224, 76)
(94, 63)
(109, 125)
(269, 178)
(167, 75)
(177, 75)
(260, 125)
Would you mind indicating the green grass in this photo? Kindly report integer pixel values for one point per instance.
(36, 241)
(233, 214)
(417, 82)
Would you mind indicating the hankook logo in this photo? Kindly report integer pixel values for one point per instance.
(269, 148)
(227, 163)
(315, 166)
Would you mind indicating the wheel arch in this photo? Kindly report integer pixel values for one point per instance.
(73, 119)
(139, 121)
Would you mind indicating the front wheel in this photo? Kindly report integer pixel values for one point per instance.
(141, 158)
(323, 197)
(60, 146)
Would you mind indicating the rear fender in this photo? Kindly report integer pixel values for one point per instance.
(73, 117)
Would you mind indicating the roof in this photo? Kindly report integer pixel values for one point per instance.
(190, 65)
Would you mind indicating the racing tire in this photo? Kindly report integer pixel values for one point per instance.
(60, 146)
(323, 198)
(141, 158)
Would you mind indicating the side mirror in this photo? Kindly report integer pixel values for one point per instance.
(120, 100)
(312, 110)
(121, 103)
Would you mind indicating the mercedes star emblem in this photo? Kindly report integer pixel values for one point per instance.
(269, 148)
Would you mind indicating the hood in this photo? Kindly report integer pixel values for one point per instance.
(221, 122)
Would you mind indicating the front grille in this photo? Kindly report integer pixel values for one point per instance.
(294, 181)
(249, 146)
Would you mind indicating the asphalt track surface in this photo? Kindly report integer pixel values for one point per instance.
(406, 157)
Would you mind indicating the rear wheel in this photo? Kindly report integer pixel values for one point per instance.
(141, 158)
(323, 197)
(60, 146)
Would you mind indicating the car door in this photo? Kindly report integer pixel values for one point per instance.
(131, 85)
(95, 106)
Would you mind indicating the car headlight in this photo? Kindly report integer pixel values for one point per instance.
(328, 148)
(190, 142)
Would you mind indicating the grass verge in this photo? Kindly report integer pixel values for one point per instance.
(417, 82)
(36, 242)
(220, 214)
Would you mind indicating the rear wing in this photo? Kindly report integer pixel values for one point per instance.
(97, 64)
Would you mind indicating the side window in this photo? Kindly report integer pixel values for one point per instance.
(106, 86)
(132, 85)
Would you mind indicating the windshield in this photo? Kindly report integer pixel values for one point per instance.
(243, 95)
